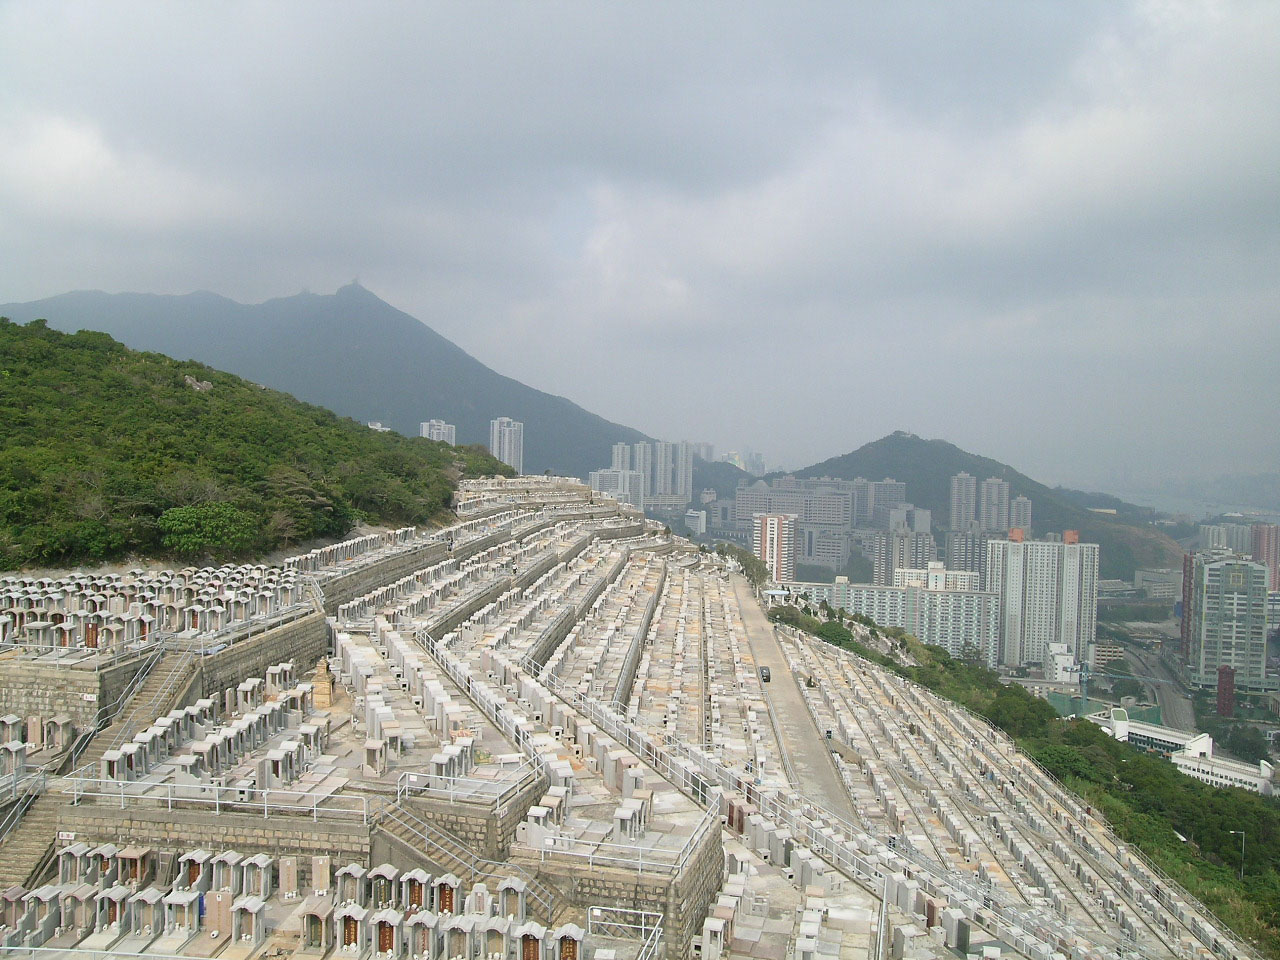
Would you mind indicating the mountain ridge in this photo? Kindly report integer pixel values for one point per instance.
(926, 466)
(349, 351)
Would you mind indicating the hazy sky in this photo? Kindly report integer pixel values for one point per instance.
(1049, 232)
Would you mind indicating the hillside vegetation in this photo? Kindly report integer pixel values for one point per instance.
(927, 466)
(1148, 802)
(106, 453)
(350, 352)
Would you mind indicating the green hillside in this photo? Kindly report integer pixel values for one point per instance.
(106, 453)
(927, 466)
(349, 352)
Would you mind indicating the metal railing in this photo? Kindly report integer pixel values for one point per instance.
(624, 923)
(477, 790)
(178, 673)
(217, 798)
(668, 861)
(33, 785)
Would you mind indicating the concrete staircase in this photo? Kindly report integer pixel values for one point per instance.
(446, 851)
(24, 850)
(159, 693)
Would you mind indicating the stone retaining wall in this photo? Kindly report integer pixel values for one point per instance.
(33, 689)
(304, 641)
(183, 830)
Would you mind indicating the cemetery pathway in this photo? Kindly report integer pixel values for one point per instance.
(814, 772)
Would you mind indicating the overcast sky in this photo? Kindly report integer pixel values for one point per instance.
(1049, 232)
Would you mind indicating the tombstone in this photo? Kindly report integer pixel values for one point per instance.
(289, 878)
(255, 875)
(566, 942)
(217, 913)
(446, 894)
(512, 899)
(352, 931)
(182, 911)
(353, 885)
(413, 889)
(110, 914)
(531, 938)
(226, 878)
(375, 758)
(74, 864)
(321, 875)
(387, 933)
(317, 925)
(147, 913)
(383, 886)
(137, 866)
(195, 871)
(249, 920)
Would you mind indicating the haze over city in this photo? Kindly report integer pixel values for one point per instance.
(1043, 232)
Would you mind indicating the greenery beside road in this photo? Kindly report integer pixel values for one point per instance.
(1147, 801)
(106, 453)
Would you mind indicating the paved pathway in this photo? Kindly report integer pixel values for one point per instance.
(814, 772)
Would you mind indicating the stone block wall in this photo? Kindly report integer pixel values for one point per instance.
(682, 899)
(33, 689)
(183, 830)
(346, 587)
(303, 641)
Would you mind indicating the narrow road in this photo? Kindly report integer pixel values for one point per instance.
(805, 745)
(1175, 706)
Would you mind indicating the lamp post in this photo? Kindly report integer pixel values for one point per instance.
(1241, 833)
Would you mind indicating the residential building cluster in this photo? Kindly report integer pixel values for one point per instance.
(439, 430)
(655, 476)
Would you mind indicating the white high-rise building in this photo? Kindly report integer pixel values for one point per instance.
(626, 486)
(506, 442)
(621, 456)
(438, 430)
(935, 577)
(993, 505)
(775, 544)
(1048, 594)
(1020, 515)
(642, 463)
(964, 502)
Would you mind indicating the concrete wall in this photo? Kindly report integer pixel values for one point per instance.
(684, 899)
(42, 689)
(304, 641)
(183, 830)
(346, 587)
(475, 825)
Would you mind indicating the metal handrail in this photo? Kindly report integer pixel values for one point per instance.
(229, 799)
(35, 785)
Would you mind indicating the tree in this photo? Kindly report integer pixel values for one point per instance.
(216, 528)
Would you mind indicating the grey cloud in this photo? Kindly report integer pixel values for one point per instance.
(888, 208)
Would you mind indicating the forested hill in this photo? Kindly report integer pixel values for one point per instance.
(107, 453)
(927, 466)
(352, 353)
